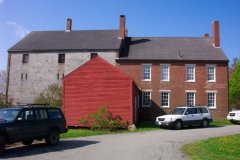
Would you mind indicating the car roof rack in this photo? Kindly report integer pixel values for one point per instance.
(32, 104)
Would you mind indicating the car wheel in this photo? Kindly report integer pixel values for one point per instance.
(205, 123)
(52, 138)
(2, 144)
(27, 142)
(178, 125)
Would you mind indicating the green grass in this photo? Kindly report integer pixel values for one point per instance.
(222, 148)
(146, 126)
(220, 122)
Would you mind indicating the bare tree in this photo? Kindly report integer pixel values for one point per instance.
(3, 81)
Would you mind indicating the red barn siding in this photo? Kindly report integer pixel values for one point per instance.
(95, 84)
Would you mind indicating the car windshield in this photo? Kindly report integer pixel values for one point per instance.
(178, 111)
(8, 114)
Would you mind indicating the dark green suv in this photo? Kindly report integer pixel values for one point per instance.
(25, 124)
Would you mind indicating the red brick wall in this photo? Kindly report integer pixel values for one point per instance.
(177, 85)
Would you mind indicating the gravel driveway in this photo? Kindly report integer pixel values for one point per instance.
(151, 145)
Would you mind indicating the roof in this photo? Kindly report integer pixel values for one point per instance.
(74, 41)
(171, 48)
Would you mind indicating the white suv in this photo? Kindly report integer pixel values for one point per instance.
(181, 116)
(234, 116)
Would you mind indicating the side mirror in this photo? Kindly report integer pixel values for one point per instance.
(19, 118)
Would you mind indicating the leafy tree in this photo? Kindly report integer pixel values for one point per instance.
(234, 85)
(52, 95)
(3, 84)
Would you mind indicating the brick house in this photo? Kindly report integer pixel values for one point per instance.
(169, 71)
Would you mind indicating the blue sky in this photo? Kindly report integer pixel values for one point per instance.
(181, 18)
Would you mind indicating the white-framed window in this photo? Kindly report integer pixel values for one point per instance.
(190, 97)
(165, 70)
(146, 72)
(211, 99)
(165, 98)
(190, 72)
(146, 98)
(211, 73)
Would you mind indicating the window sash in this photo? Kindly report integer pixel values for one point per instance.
(146, 99)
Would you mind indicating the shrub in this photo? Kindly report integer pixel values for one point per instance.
(103, 120)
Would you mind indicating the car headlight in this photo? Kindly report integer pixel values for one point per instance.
(168, 119)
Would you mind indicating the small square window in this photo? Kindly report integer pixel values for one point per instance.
(93, 55)
(61, 58)
(25, 58)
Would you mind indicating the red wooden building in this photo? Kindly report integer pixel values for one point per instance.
(98, 83)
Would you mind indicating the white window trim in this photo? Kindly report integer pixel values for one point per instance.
(168, 65)
(194, 77)
(168, 91)
(215, 100)
(147, 106)
(194, 94)
(211, 65)
(147, 64)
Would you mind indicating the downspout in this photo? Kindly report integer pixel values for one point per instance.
(8, 72)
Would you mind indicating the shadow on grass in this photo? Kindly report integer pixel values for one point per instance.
(41, 148)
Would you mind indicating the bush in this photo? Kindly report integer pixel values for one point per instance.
(103, 120)
(52, 95)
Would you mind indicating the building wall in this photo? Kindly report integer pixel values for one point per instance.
(178, 85)
(42, 70)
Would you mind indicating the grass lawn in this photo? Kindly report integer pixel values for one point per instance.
(224, 148)
(220, 122)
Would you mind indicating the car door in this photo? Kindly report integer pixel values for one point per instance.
(24, 127)
(41, 121)
(190, 116)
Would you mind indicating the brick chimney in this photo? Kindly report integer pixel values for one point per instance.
(122, 31)
(69, 25)
(206, 35)
(216, 35)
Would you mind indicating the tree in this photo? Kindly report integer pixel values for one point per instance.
(3, 84)
(52, 95)
(234, 85)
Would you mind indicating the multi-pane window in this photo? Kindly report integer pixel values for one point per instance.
(25, 58)
(146, 99)
(61, 58)
(165, 72)
(165, 99)
(146, 72)
(190, 72)
(211, 73)
(190, 98)
(211, 100)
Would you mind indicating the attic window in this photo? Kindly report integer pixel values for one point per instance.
(61, 58)
(93, 55)
(25, 58)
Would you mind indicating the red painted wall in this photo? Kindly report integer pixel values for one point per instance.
(94, 84)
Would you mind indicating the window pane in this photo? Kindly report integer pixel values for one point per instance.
(61, 58)
(211, 99)
(190, 99)
(211, 73)
(147, 72)
(164, 98)
(165, 72)
(190, 73)
(146, 98)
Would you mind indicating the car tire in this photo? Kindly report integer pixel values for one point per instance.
(2, 145)
(27, 142)
(178, 125)
(52, 138)
(205, 123)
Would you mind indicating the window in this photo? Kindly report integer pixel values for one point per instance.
(41, 114)
(165, 72)
(61, 58)
(165, 98)
(190, 98)
(190, 72)
(191, 111)
(27, 115)
(211, 99)
(25, 58)
(146, 99)
(93, 55)
(146, 72)
(55, 114)
(211, 73)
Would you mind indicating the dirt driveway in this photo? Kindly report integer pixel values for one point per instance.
(152, 145)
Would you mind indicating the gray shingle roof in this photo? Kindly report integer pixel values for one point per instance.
(171, 48)
(74, 40)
